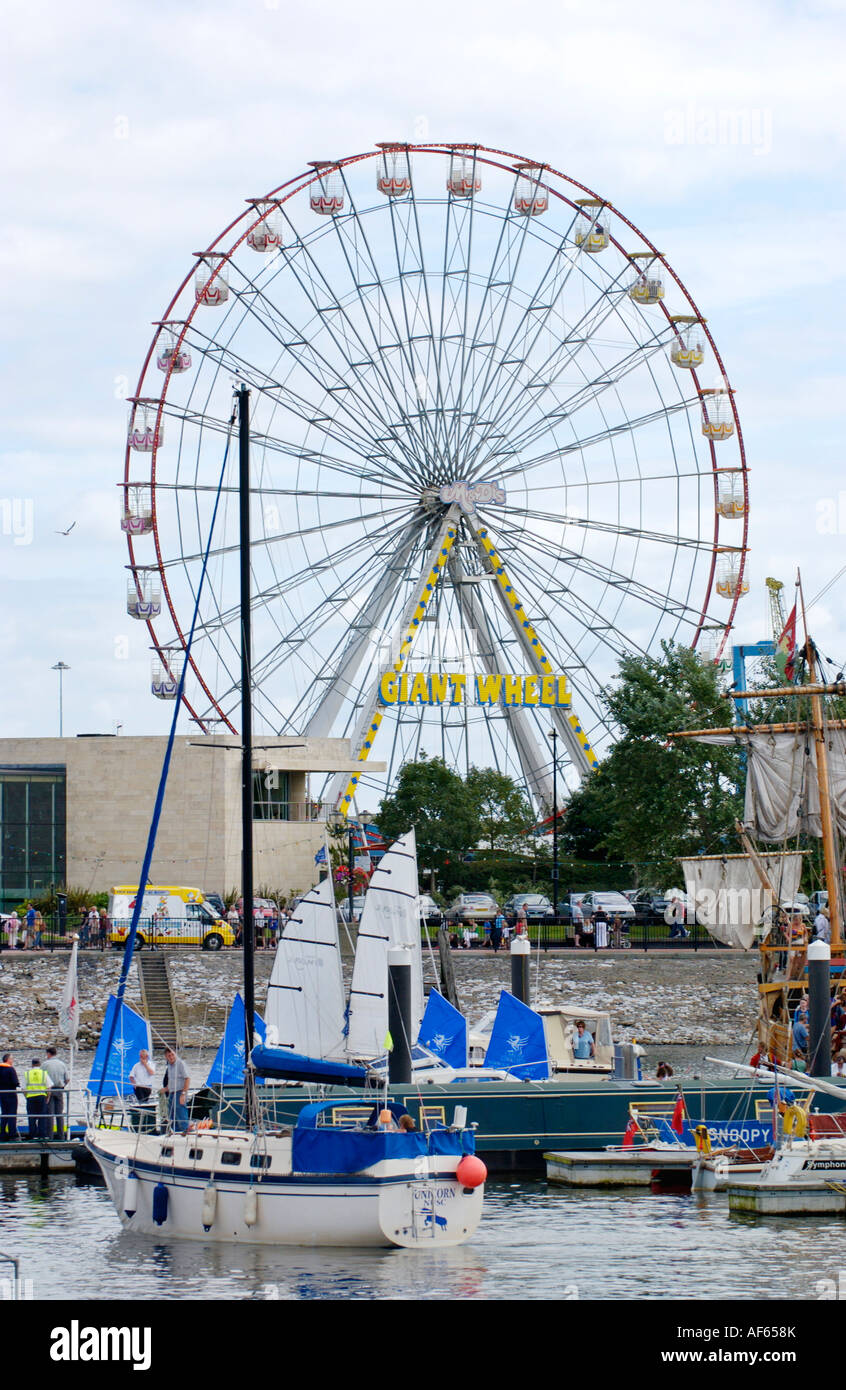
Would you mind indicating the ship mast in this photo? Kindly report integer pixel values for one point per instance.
(832, 870)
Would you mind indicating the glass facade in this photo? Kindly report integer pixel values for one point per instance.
(33, 839)
(271, 796)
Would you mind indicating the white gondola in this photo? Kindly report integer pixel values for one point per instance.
(136, 510)
(464, 178)
(730, 583)
(143, 434)
(326, 194)
(688, 346)
(170, 356)
(393, 172)
(717, 415)
(211, 280)
(731, 496)
(143, 597)
(531, 198)
(591, 233)
(266, 235)
(165, 675)
(648, 286)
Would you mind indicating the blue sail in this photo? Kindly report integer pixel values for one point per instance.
(227, 1069)
(444, 1031)
(129, 1032)
(518, 1041)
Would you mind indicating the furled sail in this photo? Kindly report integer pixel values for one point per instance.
(391, 918)
(305, 996)
(727, 896)
(782, 790)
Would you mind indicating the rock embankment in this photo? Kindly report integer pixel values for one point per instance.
(659, 999)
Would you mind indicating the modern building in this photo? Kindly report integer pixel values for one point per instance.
(77, 811)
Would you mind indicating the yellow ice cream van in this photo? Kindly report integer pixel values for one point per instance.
(169, 917)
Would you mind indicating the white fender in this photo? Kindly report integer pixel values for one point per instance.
(130, 1195)
(209, 1206)
(250, 1207)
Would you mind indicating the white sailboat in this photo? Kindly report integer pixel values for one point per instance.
(346, 1174)
(305, 1009)
(391, 919)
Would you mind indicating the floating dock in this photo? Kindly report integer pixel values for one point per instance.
(621, 1167)
(38, 1156)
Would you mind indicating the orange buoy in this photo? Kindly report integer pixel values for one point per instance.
(471, 1171)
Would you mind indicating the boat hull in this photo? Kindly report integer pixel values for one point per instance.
(423, 1209)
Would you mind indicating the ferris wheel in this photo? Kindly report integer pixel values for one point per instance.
(490, 432)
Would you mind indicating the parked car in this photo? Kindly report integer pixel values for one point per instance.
(535, 907)
(649, 904)
(615, 905)
(216, 901)
(358, 908)
(430, 912)
(472, 907)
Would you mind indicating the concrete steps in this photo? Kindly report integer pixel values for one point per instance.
(157, 1000)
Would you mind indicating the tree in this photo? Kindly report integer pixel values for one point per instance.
(434, 800)
(655, 799)
(503, 810)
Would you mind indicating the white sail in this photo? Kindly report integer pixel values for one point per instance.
(727, 894)
(782, 789)
(305, 997)
(391, 918)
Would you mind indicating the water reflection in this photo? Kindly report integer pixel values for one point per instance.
(534, 1242)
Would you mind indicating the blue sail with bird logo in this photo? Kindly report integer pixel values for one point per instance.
(444, 1031)
(131, 1033)
(227, 1069)
(518, 1040)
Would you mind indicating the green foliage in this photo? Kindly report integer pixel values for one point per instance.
(502, 808)
(654, 799)
(436, 801)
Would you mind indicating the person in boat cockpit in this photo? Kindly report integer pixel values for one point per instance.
(583, 1047)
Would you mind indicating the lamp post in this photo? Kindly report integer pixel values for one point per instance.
(61, 667)
(553, 735)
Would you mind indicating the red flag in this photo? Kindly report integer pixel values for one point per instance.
(786, 647)
(677, 1122)
(629, 1136)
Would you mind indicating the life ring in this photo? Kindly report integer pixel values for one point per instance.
(795, 1121)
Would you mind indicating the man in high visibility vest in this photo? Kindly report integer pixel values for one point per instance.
(37, 1089)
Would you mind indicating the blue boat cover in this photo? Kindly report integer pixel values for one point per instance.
(227, 1069)
(131, 1034)
(333, 1149)
(444, 1031)
(293, 1066)
(518, 1041)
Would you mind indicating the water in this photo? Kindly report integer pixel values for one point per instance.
(535, 1242)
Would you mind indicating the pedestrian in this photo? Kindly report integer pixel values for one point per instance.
(496, 933)
(9, 1087)
(822, 925)
(467, 939)
(37, 1090)
(39, 931)
(56, 1101)
(12, 925)
(103, 926)
(486, 926)
(83, 928)
(600, 927)
(93, 926)
(141, 1076)
(175, 1086)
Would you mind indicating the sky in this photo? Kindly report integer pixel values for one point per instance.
(135, 133)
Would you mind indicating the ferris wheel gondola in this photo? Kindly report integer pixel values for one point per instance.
(440, 360)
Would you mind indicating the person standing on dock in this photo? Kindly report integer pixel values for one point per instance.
(175, 1087)
(37, 1089)
(58, 1074)
(12, 925)
(9, 1087)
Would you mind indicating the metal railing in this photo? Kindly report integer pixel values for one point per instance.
(556, 934)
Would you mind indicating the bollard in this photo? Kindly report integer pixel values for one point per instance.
(520, 952)
(399, 1016)
(819, 1009)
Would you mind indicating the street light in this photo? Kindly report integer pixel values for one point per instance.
(61, 667)
(553, 734)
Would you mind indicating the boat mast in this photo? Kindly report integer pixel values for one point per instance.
(832, 871)
(248, 932)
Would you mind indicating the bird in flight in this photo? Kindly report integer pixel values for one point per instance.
(66, 533)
